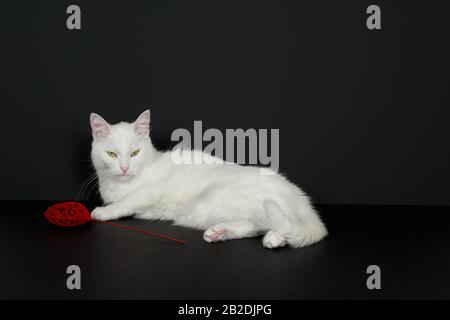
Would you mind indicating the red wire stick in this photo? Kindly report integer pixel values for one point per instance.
(141, 231)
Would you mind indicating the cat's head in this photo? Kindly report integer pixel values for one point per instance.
(121, 150)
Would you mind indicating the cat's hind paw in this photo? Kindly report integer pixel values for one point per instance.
(215, 234)
(273, 240)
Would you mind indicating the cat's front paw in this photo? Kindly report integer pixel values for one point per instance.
(102, 213)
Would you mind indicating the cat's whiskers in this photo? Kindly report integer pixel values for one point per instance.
(85, 184)
(97, 183)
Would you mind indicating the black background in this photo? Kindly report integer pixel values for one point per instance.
(362, 114)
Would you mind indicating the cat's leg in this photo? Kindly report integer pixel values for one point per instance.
(111, 212)
(232, 230)
(139, 202)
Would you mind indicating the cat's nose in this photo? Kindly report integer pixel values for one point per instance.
(124, 169)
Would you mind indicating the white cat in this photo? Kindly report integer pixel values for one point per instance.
(229, 201)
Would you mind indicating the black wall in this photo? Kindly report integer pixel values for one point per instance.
(362, 114)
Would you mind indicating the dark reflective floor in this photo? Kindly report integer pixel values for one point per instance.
(410, 244)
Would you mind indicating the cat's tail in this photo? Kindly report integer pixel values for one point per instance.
(299, 230)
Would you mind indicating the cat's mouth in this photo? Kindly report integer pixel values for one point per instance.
(123, 176)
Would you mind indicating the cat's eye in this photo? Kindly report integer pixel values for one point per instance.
(111, 154)
(134, 153)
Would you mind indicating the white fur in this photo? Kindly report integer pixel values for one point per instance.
(229, 201)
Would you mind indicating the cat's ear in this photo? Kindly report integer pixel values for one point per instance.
(100, 128)
(142, 124)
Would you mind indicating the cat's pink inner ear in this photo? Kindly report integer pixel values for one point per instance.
(142, 124)
(100, 128)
